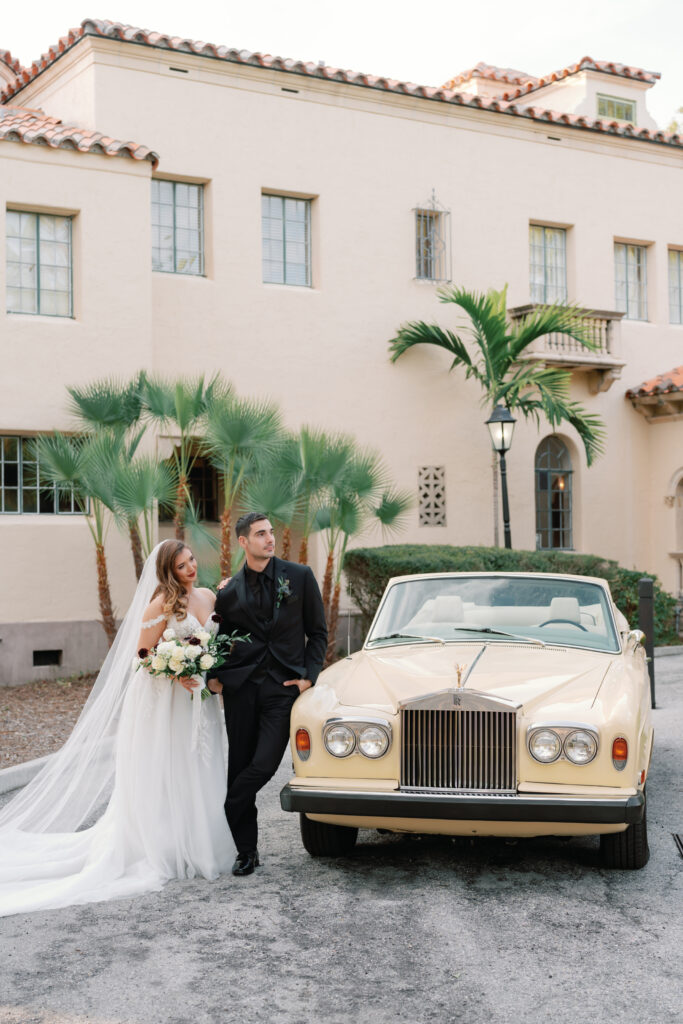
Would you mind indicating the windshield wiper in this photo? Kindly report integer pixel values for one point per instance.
(500, 632)
(407, 636)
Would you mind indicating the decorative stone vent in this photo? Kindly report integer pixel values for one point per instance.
(432, 495)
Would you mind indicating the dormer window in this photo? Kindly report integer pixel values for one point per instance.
(616, 109)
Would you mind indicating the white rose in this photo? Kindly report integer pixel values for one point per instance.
(202, 635)
(192, 651)
(158, 663)
(176, 666)
(167, 649)
(207, 661)
(168, 634)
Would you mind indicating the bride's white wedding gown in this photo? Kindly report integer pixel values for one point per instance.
(165, 817)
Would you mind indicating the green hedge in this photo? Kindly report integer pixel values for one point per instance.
(369, 569)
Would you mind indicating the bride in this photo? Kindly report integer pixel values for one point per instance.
(145, 763)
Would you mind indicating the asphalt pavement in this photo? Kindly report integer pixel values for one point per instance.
(414, 930)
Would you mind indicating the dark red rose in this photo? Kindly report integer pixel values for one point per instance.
(216, 617)
(143, 652)
(195, 641)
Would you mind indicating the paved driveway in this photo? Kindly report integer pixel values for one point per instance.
(414, 930)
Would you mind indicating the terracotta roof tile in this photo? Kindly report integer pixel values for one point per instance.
(503, 104)
(19, 124)
(664, 384)
(14, 65)
(585, 64)
(509, 76)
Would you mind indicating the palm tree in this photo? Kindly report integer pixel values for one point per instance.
(389, 512)
(84, 465)
(272, 491)
(140, 486)
(506, 375)
(181, 405)
(238, 435)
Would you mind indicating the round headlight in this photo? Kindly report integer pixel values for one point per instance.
(373, 741)
(545, 745)
(580, 747)
(340, 740)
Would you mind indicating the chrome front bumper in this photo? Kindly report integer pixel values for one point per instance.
(466, 807)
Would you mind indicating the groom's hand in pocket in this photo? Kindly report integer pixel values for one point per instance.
(214, 685)
(303, 684)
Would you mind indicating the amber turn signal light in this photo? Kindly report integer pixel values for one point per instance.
(303, 744)
(619, 753)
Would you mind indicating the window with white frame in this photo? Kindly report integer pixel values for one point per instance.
(39, 264)
(432, 241)
(547, 264)
(22, 491)
(286, 240)
(177, 227)
(432, 495)
(676, 286)
(616, 109)
(630, 280)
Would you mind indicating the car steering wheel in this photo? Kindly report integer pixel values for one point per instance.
(567, 622)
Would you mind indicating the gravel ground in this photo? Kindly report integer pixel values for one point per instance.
(37, 718)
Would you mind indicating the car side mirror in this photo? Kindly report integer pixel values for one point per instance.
(636, 636)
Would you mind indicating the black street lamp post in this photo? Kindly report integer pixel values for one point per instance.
(501, 425)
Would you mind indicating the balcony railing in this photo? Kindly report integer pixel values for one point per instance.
(602, 327)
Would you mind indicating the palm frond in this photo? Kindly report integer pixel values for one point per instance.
(392, 510)
(418, 333)
(109, 402)
(559, 318)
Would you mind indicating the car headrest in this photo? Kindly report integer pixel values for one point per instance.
(565, 608)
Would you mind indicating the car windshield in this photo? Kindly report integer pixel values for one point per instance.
(500, 609)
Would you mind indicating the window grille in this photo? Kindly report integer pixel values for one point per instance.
(618, 110)
(177, 227)
(432, 241)
(553, 495)
(432, 495)
(675, 286)
(547, 264)
(630, 279)
(22, 491)
(286, 240)
(39, 268)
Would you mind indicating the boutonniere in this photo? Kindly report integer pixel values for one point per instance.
(284, 589)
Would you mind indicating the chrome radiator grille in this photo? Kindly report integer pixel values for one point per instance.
(458, 750)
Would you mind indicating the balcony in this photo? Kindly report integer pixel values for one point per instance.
(603, 328)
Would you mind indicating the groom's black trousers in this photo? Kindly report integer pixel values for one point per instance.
(257, 721)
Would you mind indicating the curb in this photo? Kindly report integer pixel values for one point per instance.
(18, 775)
(668, 652)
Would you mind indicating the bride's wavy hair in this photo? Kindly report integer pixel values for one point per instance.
(172, 591)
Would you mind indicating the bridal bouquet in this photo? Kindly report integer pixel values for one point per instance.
(180, 656)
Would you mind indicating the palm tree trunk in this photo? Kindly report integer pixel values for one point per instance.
(104, 594)
(327, 583)
(303, 551)
(286, 542)
(136, 547)
(226, 550)
(332, 627)
(180, 503)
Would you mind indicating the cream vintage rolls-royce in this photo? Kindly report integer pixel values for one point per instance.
(481, 704)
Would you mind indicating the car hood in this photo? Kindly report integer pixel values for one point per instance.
(524, 674)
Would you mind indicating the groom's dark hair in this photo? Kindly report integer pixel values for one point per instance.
(243, 524)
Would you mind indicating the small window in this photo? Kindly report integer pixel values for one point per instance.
(547, 264)
(675, 286)
(432, 242)
(553, 495)
(177, 227)
(42, 658)
(39, 268)
(286, 240)
(203, 487)
(616, 109)
(432, 495)
(630, 277)
(21, 489)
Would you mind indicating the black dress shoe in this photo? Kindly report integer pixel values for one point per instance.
(245, 863)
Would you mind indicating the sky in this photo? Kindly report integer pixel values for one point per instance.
(425, 43)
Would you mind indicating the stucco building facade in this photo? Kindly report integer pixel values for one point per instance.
(277, 221)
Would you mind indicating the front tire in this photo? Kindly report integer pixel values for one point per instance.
(626, 850)
(322, 840)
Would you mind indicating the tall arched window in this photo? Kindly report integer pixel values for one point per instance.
(553, 495)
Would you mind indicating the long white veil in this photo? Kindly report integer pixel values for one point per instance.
(76, 782)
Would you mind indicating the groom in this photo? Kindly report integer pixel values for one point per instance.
(279, 604)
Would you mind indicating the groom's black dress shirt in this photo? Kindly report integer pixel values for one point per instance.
(261, 586)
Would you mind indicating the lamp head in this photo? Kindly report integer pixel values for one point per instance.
(501, 425)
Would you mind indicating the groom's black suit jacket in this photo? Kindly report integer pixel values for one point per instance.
(291, 644)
